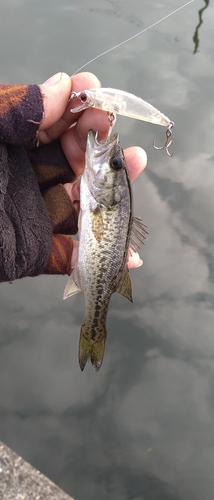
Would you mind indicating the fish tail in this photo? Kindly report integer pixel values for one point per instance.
(92, 346)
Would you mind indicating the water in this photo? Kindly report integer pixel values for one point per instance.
(141, 428)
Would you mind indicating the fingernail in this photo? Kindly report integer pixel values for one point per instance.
(53, 79)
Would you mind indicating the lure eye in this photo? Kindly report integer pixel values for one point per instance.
(116, 162)
(83, 97)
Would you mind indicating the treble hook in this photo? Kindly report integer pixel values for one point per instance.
(168, 141)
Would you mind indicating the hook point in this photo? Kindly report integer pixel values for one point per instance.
(168, 141)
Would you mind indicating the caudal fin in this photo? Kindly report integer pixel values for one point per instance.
(92, 347)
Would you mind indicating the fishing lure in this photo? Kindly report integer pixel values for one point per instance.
(116, 101)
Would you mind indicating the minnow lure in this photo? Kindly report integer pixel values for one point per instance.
(116, 101)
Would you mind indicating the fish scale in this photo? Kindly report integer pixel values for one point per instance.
(99, 279)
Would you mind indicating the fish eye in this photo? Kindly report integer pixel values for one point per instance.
(116, 162)
(83, 97)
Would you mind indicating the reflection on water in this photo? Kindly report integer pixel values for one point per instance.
(143, 426)
(196, 34)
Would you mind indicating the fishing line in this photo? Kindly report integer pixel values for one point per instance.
(132, 37)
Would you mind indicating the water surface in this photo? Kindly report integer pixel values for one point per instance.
(143, 427)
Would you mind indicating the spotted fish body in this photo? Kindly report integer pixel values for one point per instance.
(106, 226)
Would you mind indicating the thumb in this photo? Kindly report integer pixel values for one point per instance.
(56, 91)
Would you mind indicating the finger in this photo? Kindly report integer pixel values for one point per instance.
(55, 91)
(57, 115)
(74, 257)
(73, 141)
(134, 260)
(136, 161)
(73, 191)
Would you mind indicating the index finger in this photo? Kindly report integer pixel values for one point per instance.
(58, 104)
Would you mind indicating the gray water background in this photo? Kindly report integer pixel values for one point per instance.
(143, 427)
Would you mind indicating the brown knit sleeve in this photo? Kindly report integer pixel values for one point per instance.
(25, 225)
(21, 112)
(33, 201)
(59, 261)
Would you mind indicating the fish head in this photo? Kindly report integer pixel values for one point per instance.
(105, 169)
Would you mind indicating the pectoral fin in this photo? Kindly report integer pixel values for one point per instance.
(73, 284)
(125, 287)
(97, 225)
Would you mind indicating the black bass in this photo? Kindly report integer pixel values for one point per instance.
(108, 233)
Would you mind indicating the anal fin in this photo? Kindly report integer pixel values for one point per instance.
(73, 284)
(125, 287)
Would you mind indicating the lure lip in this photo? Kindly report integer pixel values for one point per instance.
(84, 103)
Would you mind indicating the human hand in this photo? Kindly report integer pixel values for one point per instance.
(31, 112)
(57, 122)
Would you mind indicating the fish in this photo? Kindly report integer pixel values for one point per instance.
(108, 234)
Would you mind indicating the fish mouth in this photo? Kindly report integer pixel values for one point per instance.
(101, 148)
